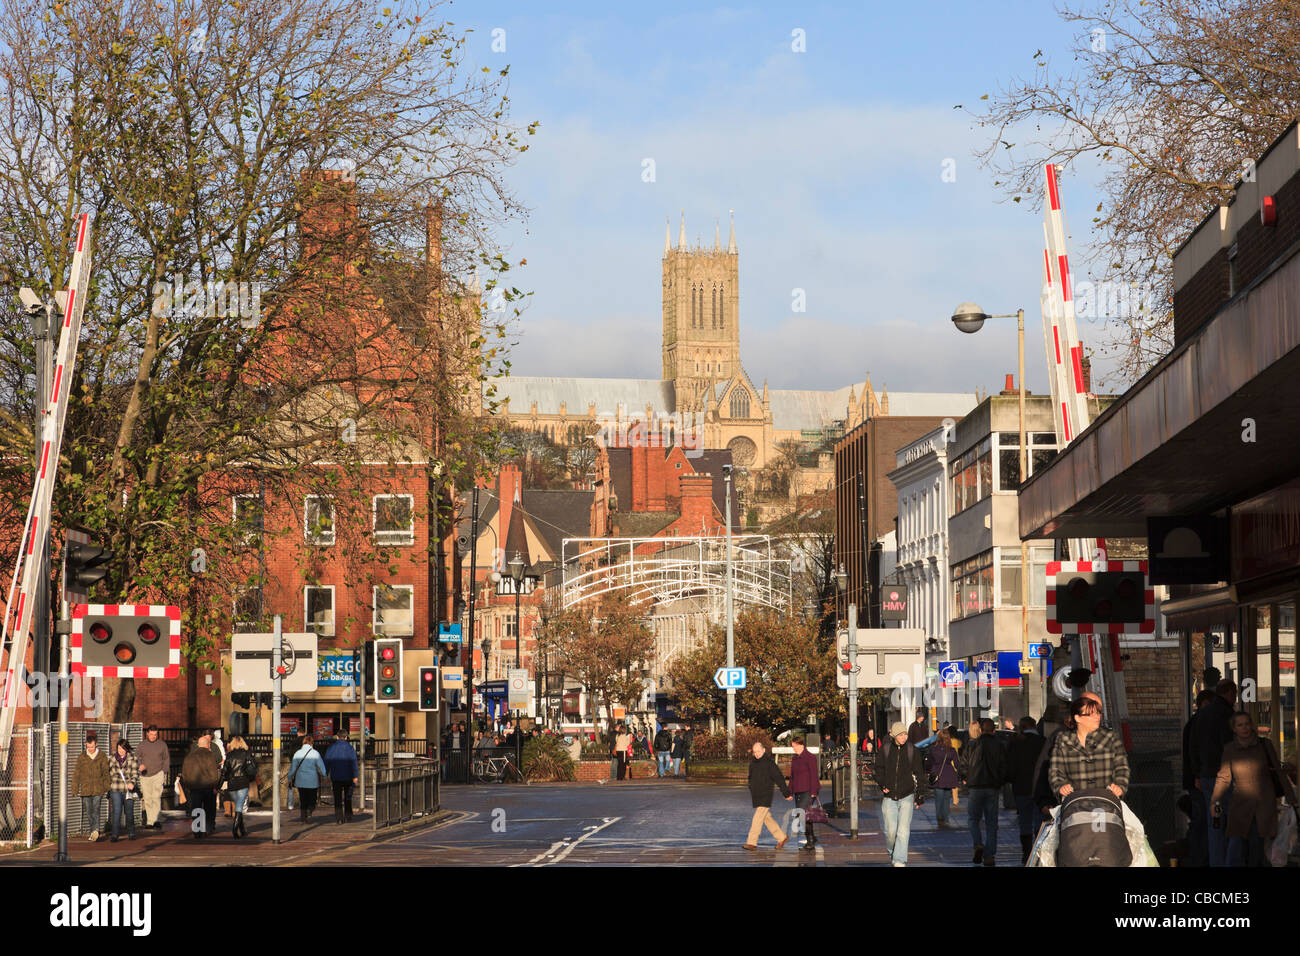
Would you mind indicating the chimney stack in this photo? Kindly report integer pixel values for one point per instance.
(1010, 387)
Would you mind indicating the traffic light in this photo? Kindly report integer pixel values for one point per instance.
(1094, 601)
(388, 671)
(428, 688)
(126, 640)
(86, 566)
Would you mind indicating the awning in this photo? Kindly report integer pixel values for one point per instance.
(1207, 610)
(1173, 445)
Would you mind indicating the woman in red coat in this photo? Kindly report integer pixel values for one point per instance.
(804, 784)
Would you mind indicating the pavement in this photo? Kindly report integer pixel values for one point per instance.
(650, 822)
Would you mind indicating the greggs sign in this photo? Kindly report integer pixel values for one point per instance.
(893, 602)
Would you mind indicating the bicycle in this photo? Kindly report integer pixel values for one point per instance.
(495, 770)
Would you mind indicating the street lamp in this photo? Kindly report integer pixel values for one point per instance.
(731, 627)
(842, 584)
(969, 318)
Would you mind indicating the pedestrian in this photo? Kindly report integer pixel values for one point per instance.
(941, 765)
(763, 776)
(1250, 767)
(679, 752)
(574, 746)
(664, 750)
(237, 774)
(900, 774)
(869, 741)
(341, 762)
(124, 787)
(1088, 757)
(154, 761)
(90, 781)
(306, 773)
(1210, 734)
(200, 775)
(622, 751)
(1021, 761)
(982, 763)
(920, 728)
(805, 783)
(1198, 846)
(688, 741)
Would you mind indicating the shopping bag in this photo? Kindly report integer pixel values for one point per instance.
(1283, 843)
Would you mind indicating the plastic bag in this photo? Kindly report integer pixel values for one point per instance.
(1285, 840)
(1044, 851)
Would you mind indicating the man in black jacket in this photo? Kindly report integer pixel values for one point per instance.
(763, 776)
(1022, 759)
(901, 775)
(982, 763)
(1198, 846)
(1209, 734)
(663, 750)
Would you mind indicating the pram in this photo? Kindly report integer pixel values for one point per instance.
(1045, 847)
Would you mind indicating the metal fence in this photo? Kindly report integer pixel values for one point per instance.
(20, 804)
(408, 790)
(106, 735)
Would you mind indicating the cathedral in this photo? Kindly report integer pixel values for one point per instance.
(705, 399)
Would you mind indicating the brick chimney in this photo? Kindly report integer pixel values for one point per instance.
(1086, 364)
(697, 502)
(329, 222)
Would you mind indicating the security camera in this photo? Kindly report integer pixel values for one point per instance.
(31, 301)
(726, 469)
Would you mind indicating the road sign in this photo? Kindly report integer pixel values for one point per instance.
(952, 673)
(517, 688)
(449, 632)
(126, 640)
(887, 657)
(250, 663)
(1100, 597)
(1040, 650)
(729, 677)
(986, 673)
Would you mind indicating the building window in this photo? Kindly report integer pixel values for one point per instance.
(740, 403)
(972, 476)
(394, 610)
(713, 316)
(248, 610)
(318, 610)
(972, 583)
(510, 624)
(248, 513)
(318, 519)
(1043, 448)
(1009, 572)
(394, 517)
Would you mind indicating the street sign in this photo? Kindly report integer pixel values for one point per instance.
(952, 673)
(730, 677)
(517, 688)
(893, 602)
(986, 673)
(449, 632)
(250, 663)
(1039, 650)
(453, 678)
(887, 657)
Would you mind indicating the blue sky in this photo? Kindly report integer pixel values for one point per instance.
(831, 158)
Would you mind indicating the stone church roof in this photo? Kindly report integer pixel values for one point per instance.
(634, 394)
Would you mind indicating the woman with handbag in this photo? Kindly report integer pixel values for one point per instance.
(805, 782)
(306, 771)
(237, 773)
(1250, 768)
(941, 765)
(623, 751)
(124, 787)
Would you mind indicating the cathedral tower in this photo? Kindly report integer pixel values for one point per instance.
(701, 309)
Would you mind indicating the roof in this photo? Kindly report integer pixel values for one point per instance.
(710, 462)
(643, 524)
(559, 514)
(794, 409)
(576, 394)
(930, 404)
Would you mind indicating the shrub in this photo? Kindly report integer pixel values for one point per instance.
(546, 759)
(709, 747)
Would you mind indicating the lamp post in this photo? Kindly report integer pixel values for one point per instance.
(516, 567)
(969, 318)
(842, 583)
(731, 627)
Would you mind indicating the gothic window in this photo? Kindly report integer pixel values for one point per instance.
(692, 306)
(722, 307)
(740, 403)
(713, 318)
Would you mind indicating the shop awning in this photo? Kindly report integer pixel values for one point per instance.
(1173, 445)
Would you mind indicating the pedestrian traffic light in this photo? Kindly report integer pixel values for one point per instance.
(428, 688)
(126, 640)
(388, 671)
(85, 566)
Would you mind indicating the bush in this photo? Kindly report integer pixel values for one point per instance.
(546, 759)
(709, 747)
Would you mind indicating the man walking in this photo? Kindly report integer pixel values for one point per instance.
(663, 750)
(1210, 733)
(1023, 758)
(200, 774)
(154, 763)
(1198, 846)
(983, 765)
(901, 776)
(679, 751)
(341, 762)
(90, 781)
(920, 728)
(804, 784)
(688, 738)
(763, 776)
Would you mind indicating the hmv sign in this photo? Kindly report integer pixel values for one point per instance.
(893, 602)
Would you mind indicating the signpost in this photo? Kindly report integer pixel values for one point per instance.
(730, 678)
(885, 657)
(517, 688)
(1040, 651)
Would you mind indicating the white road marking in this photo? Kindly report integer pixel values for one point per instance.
(543, 855)
(591, 831)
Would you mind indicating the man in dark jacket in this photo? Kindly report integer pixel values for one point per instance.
(901, 776)
(920, 728)
(763, 776)
(200, 775)
(663, 750)
(804, 784)
(1198, 845)
(983, 765)
(1022, 759)
(1210, 733)
(341, 763)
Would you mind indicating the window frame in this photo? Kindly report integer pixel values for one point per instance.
(388, 537)
(251, 539)
(382, 630)
(307, 624)
(238, 626)
(319, 541)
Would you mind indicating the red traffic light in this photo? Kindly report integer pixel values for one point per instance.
(387, 653)
(100, 632)
(148, 633)
(428, 675)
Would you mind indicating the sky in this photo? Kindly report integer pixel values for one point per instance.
(833, 158)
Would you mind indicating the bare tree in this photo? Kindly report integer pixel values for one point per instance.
(1177, 97)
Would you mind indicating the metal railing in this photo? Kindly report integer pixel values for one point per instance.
(408, 790)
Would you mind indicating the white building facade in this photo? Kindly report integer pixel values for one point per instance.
(922, 537)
